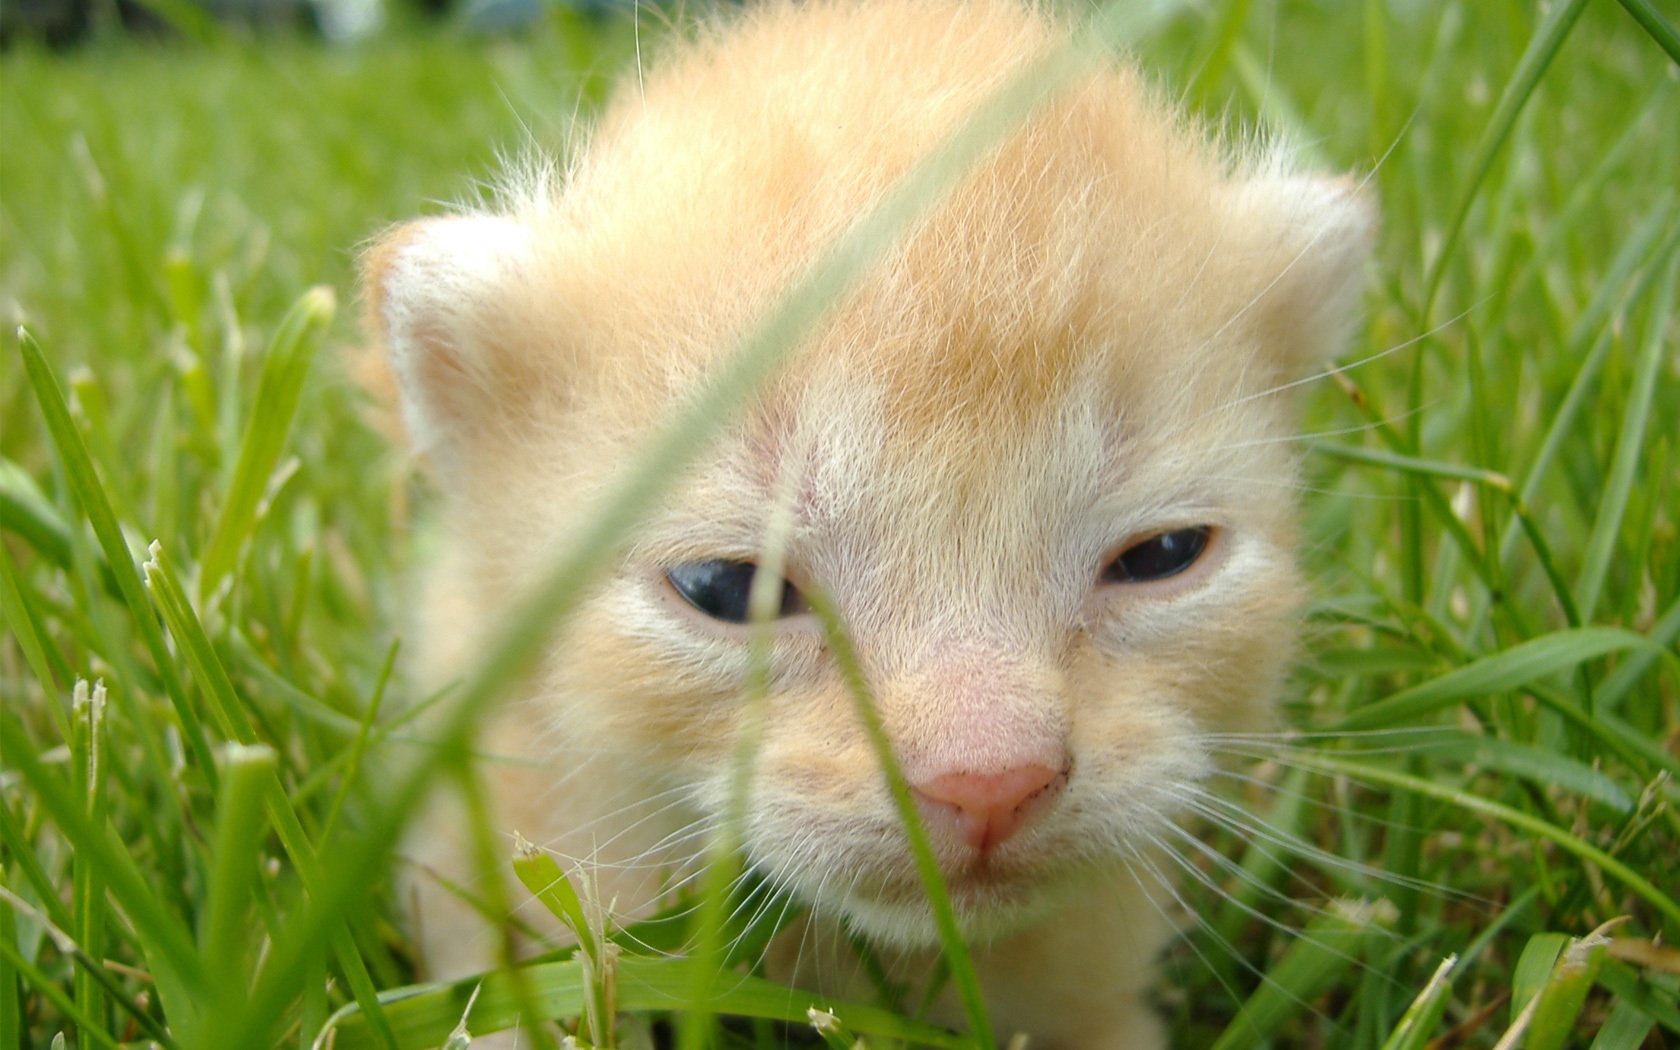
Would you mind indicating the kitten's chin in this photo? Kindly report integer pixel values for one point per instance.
(985, 909)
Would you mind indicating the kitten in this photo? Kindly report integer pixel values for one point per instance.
(1039, 459)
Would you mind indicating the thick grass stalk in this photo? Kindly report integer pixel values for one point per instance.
(235, 857)
(11, 1020)
(1660, 29)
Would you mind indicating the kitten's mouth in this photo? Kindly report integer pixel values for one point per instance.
(989, 899)
(976, 885)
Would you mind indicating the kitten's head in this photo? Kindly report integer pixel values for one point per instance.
(1039, 459)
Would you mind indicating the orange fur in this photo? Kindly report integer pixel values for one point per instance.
(1078, 349)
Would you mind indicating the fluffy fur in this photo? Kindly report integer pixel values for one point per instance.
(1085, 345)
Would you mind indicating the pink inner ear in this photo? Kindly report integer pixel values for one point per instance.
(437, 284)
(1323, 228)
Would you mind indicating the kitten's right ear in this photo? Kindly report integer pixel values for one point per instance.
(432, 287)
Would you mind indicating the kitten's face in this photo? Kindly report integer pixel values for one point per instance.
(977, 551)
(1038, 461)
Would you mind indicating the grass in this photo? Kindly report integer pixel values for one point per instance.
(203, 545)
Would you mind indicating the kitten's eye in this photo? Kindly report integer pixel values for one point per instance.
(721, 589)
(1158, 557)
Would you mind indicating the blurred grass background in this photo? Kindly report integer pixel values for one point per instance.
(1492, 520)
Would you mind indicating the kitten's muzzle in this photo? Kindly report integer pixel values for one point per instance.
(984, 809)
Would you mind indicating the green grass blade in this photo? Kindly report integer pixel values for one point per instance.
(1542, 48)
(1502, 671)
(1336, 939)
(213, 681)
(1660, 29)
(710, 946)
(174, 958)
(1538, 765)
(1665, 634)
(88, 758)
(1636, 418)
(1573, 844)
(11, 986)
(1558, 1005)
(285, 366)
(1657, 997)
(424, 1016)
(43, 985)
(1626, 1028)
(1534, 967)
(19, 613)
(1418, 1024)
(84, 480)
(206, 668)
(234, 860)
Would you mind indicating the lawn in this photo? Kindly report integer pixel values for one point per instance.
(205, 541)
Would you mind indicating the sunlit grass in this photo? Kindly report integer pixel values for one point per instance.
(198, 850)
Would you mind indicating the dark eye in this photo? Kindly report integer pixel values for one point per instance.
(1158, 557)
(721, 589)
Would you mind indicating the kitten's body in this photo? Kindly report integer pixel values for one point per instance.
(1075, 354)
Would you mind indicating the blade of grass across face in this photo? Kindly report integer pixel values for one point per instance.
(723, 850)
(927, 868)
(535, 622)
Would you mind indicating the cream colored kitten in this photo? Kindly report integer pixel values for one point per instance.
(1039, 459)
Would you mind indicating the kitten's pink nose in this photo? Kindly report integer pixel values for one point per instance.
(986, 808)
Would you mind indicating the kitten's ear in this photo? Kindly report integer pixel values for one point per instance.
(1313, 262)
(433, 287)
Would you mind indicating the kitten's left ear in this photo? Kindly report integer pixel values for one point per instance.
(438, 292)
(1318, 235)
